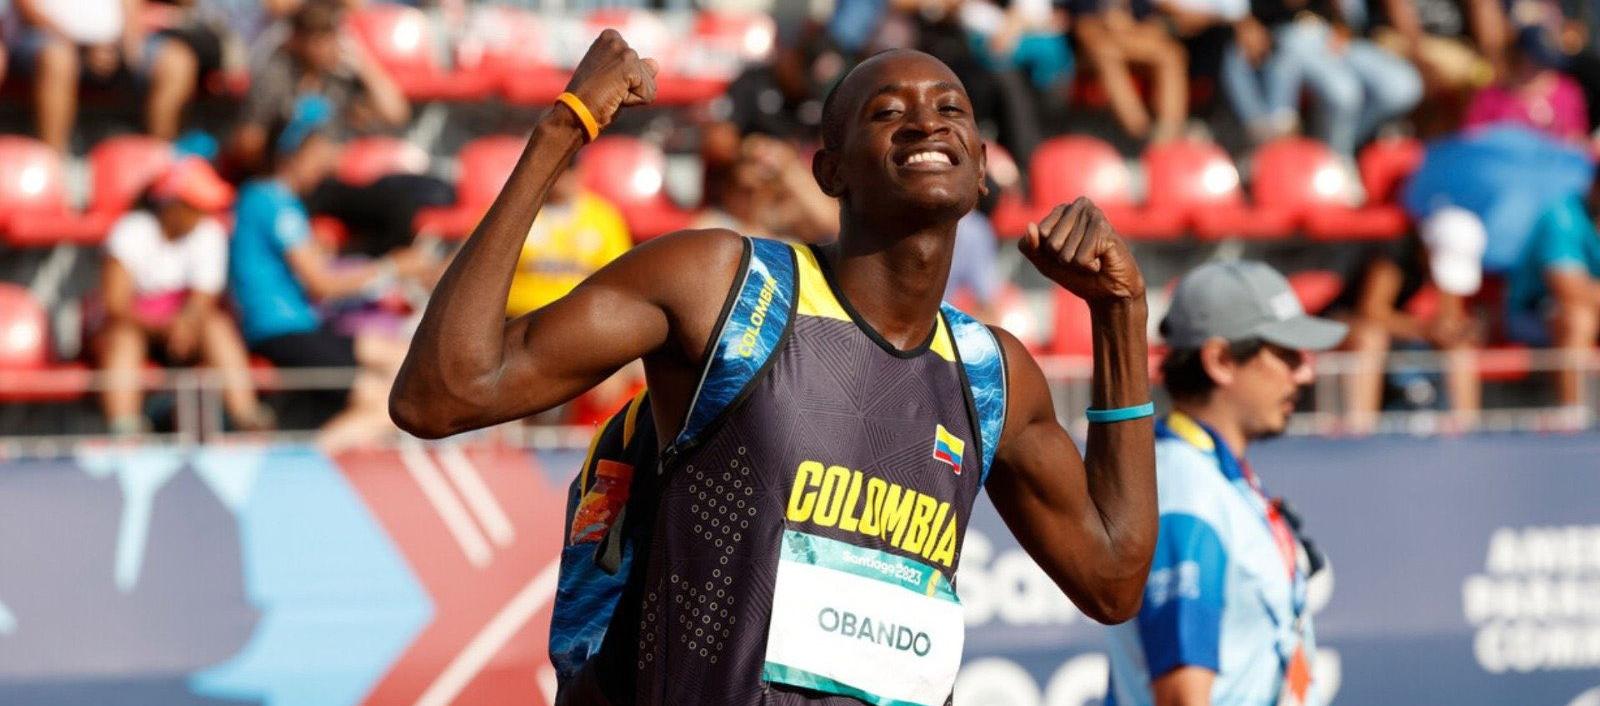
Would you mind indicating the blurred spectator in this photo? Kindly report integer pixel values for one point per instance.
(317, 61)
(1357, 84)
(1457, 45)
(761, 186)
(1576, 33)
(974, 269)
(379, 215)
(61, 43)
(277, 271)
(1553, 294)
(782, 98)
(260, 26)
(1382, 302)
(163, 273)
(1116, 36)
(1023, 35)
(575, 234)
(1533, 92)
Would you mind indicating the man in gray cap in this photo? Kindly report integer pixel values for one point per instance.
(1226, 554)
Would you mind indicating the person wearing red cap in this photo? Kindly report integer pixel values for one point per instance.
(165, 267)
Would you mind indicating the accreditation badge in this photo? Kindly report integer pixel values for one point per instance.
(1296, 673)
(864, 623)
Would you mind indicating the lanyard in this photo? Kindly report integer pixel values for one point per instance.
(1243, 479)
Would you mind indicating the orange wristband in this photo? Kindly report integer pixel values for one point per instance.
(591, 129)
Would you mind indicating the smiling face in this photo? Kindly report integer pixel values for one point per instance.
(899, 137)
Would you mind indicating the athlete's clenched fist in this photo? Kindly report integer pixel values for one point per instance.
(612, 76)
(1076, 247)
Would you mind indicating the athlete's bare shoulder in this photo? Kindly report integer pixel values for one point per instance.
(1027, 393)
(688, 274)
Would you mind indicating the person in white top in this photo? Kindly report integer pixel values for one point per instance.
(59, 42)
(164, 270)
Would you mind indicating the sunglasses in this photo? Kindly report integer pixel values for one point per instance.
(1290, 357)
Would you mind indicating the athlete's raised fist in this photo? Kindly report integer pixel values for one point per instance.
(612, 76)
(1076, 247)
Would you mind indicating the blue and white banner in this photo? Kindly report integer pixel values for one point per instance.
(1464, 572)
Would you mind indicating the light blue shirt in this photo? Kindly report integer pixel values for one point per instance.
(1219, 595)
(269, 221)
(1563, 239)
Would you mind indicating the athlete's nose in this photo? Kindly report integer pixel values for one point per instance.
(921, 121)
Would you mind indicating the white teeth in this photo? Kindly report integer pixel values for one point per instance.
(939, 157)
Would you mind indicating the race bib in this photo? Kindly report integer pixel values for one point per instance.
(863, 623)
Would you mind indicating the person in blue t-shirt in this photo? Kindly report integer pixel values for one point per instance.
(1224, 620)
(1553, 293)
(277, 274)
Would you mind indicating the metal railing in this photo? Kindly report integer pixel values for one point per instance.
(198, 411)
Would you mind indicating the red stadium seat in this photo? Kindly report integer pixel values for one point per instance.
(631, 174)
(517, 51)
(1011, 212)
(1197, 179)
(1316, 288)
(645, 30)
(1072, 335)
(1303, 178)
(24, 330)
(485, 164)
(724, 41)
(402, 40)
(1065, 168)
(364, 160)
(33, 198)
(121, 168)
(1385, 164)
(26, 373)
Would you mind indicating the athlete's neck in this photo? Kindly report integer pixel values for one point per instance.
(1220, 420)
(895, 281)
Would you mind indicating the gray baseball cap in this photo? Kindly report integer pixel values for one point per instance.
(1240, 300)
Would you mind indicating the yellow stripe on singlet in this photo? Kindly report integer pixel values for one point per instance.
(816, 297)
(942, 344)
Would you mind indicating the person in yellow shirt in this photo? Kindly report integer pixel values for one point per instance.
(576, 233)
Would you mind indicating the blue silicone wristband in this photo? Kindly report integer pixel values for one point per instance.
(1120, 414)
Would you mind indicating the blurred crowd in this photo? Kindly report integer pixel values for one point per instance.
(252, 246)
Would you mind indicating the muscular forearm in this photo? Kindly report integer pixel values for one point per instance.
(1119, 460)
(459, 346)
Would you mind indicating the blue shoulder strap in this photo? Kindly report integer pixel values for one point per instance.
(985, 368)
(756, 319)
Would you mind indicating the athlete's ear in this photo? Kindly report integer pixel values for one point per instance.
(1218, 362)
(825, 169)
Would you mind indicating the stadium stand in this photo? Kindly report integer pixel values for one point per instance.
(476, 68)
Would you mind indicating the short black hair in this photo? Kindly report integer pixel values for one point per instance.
(1184, 374)
(317, 17)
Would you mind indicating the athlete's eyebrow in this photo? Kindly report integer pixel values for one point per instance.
(893, 87)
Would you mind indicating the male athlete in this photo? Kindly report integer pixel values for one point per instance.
(806, 539)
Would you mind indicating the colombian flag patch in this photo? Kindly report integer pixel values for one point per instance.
(947, 447)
